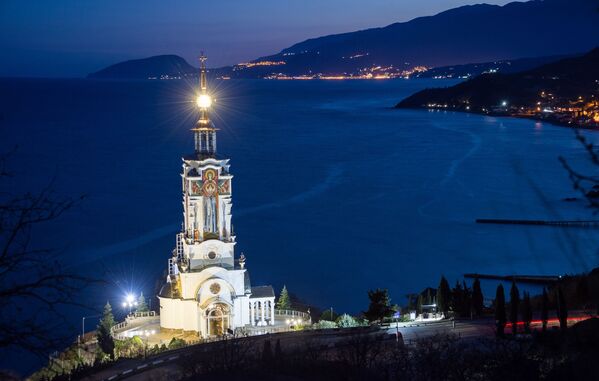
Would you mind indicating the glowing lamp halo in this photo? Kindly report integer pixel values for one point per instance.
(204, 101)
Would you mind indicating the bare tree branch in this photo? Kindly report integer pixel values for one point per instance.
(583, 183)
(34, 287)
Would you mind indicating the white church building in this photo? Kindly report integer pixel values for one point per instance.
(208, 288)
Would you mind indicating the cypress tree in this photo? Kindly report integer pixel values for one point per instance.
(582, 292)
(562, 310)
(278, 351)
(466, 301)
(103, 334)
(267, 352)
(284, 303)
(142, 306)
(278, 355)
(544, 309)
(419, 304)
(500, 318)
(443, 296)
(457, 298)
(514, 306)
(526, 312)
(411, 305)
(477, 298)
(429, 297)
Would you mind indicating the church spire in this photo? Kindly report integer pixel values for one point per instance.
(204, 131)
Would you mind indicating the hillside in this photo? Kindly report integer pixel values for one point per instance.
(566, 91)
(151, 67)
(491, 34)
(503, 66)
(476, 33)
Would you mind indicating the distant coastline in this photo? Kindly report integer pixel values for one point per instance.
(564, 93)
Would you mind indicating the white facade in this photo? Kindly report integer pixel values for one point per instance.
(207, 290)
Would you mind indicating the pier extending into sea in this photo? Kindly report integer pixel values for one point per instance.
(584, 224)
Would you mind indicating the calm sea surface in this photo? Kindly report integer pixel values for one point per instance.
(334, 192)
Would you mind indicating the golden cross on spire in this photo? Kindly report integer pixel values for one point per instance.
(203, 85)
(204, 100)
(204, 131)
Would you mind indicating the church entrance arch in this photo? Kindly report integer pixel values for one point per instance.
(218, 319)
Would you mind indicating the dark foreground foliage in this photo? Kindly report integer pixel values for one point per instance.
(550, 356)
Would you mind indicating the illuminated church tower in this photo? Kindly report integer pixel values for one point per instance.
(207, 289)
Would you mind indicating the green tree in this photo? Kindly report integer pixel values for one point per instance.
(443, 296)
(103, 334)
(284, 303)
(562, 310)
(582, 292)
(457, 299)
(419, 304)
(411, 302)
(346, 321)
(466, 301)
(477, 298)
(142, 306)
(278, 354)
(544, 309)
(380, 305)
(324, 324)
(500, 318)
(526, 312)
(329, 315)
(267, 352)
(514, 306)
(176, 343)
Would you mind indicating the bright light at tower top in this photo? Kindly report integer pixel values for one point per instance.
(204, 101)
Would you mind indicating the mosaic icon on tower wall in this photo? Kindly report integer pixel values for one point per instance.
(211, 185)
(224, 187)
(210, 182)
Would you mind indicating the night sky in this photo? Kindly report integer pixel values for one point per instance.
(72, 38)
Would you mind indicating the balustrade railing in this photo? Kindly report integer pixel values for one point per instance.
(293, 314)
(135, 315)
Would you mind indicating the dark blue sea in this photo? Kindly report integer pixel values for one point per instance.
(334, 192)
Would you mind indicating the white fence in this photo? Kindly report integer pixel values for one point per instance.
(114, 331)
(135, 315)
(293, 314)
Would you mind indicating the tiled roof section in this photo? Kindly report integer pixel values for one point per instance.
(263, 292)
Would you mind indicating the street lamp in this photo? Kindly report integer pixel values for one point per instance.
(129, 302)
(82, 337)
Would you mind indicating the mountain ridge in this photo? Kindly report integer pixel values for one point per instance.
(466, 34)
(471, 33)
